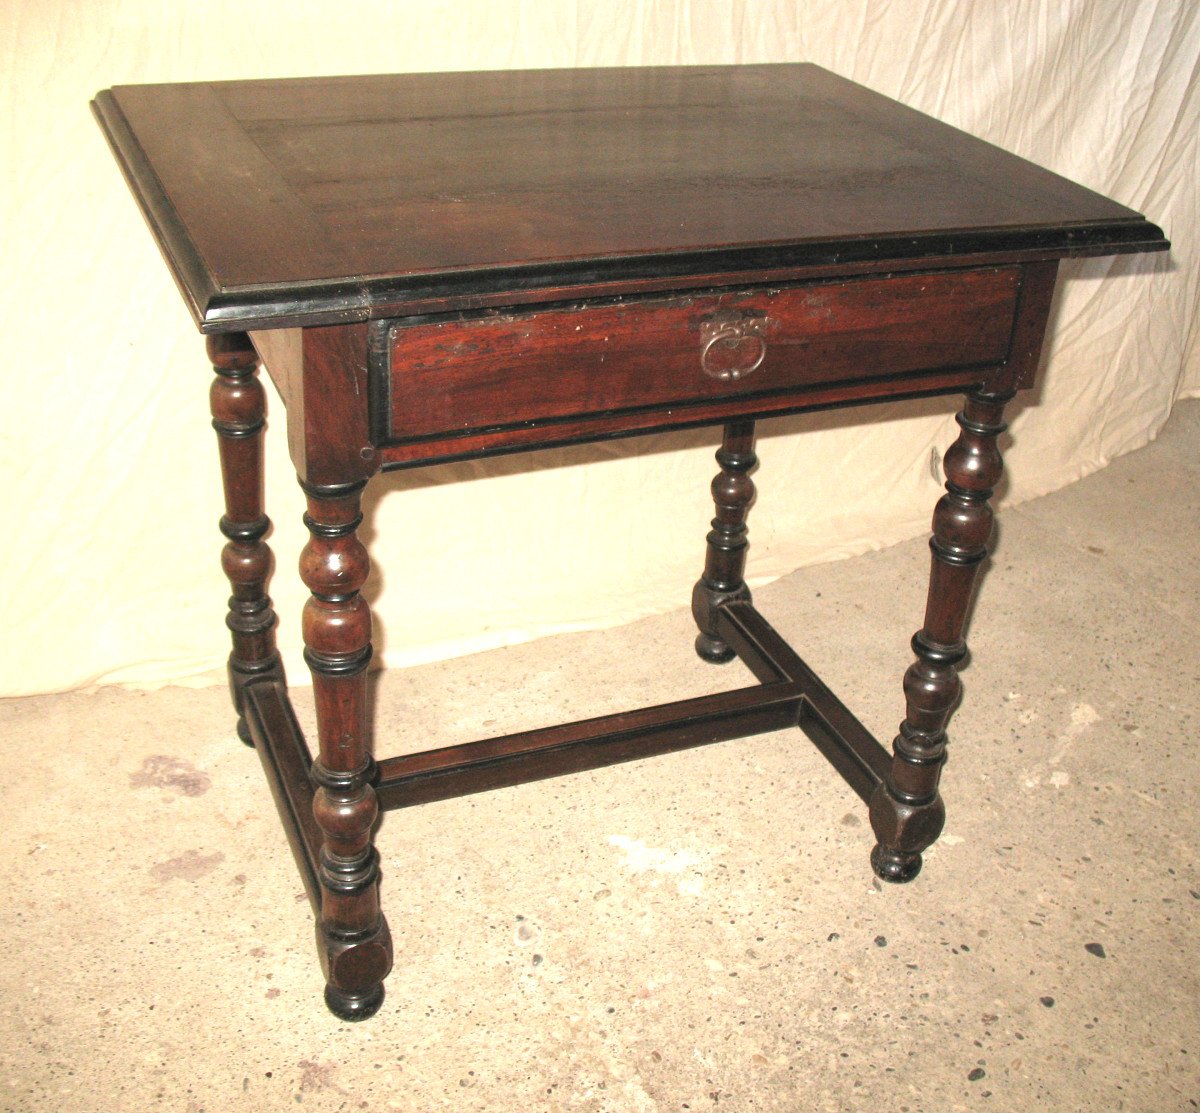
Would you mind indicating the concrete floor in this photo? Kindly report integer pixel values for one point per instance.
(696, 932)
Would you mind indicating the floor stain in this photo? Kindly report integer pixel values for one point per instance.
(186, 867)
(171, 773)
(315, 1076)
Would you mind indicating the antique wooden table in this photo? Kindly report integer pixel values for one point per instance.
(441, 266)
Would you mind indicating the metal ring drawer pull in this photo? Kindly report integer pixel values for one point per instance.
(732, 330)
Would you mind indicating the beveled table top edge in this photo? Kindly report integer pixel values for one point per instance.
(352, 298)
(364, 298)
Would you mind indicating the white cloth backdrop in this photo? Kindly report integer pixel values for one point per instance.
(109, 562)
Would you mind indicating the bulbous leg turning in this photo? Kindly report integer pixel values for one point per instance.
(352, 935)
(725, 560)
(907, 813)
(239, 417)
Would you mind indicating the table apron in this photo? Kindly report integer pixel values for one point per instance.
(465, 384)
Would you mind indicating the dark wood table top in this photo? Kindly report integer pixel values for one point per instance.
(293, 202)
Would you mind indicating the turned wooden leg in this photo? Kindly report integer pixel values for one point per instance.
(906, 810)
(725, 560)
(355, 946)
(239, 415)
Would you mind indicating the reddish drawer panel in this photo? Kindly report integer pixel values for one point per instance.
(492, 371)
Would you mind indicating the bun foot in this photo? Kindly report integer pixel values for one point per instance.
(902, 831)
(894, 866)
(713, 649)
(353, 1006)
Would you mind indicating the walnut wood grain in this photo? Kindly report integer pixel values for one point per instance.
(443, 266)
(633, 423)
(458, 375)
(356, 947)
(239, 416)
(723, 580)
(907, 812)
(286, 762)
(328, 200)
(789, 694)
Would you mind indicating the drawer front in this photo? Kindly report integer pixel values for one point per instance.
(451, 377)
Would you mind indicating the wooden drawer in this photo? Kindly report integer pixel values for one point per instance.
(465, 374)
